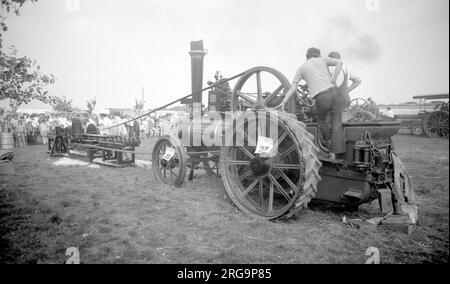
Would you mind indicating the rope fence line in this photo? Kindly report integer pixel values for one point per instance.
(173, 102)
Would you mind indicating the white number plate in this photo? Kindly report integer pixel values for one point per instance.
(170, 152)
(264, 145)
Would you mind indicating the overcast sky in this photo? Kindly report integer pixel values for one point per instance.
(109, 49)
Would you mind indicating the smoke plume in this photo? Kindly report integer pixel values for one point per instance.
(340, 34)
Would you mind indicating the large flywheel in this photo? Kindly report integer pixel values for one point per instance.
(261, 87)
(275, 182)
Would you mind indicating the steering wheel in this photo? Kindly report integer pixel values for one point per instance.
(358, 103)
(303, 96)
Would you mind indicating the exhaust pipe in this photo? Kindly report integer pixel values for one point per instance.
(197, 53)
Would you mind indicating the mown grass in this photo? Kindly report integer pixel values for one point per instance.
(125, 216)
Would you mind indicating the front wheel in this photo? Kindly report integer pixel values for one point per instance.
(169, 161)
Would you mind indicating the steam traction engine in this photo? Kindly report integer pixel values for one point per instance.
(282, 164)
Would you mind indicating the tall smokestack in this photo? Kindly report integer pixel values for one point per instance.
(197, 53)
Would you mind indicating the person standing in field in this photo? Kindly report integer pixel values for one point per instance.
(105, 123)
(143, 127)
(390, 113)
(44, 128)
(13, 123)
(373, 108)
(20, 133)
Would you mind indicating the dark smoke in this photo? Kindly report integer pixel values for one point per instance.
(340, 34)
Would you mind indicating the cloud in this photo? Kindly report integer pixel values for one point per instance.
(342, 35)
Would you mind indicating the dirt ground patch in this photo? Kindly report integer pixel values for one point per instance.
(125, 216)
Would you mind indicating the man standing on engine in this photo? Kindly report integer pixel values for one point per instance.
(323, 89)
(356, 81)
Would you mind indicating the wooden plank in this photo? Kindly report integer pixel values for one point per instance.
(96, 135)
(385, 200)
(399, 223)
(75, 152)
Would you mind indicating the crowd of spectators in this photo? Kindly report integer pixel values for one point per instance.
(32, 129)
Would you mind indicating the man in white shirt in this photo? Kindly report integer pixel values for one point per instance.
(356, 81)
(105, 122)
(322, 87)
(390, 113)
(43, 129)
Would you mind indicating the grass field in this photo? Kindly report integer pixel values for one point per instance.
(125, 216)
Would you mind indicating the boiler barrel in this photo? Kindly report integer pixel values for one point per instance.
(6, 141)
(204, 133)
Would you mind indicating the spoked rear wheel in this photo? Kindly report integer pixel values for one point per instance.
(435, 124)
(169, 161)
(272, 186)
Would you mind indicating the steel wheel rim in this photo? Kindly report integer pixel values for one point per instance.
(437, 125)
(416, 129)
(171, 168)
(269, 195)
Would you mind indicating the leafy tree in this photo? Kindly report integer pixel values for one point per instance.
(8, 6)
(63, 104)
(91, 105)
(21, 79)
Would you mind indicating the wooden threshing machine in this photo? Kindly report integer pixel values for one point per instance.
(90, 145)
(273, 163)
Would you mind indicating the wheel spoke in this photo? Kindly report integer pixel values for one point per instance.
(288, 180)
(272, 95)
(245, 175)
(246, 152)
(280, 139)
(270, 209)
(250, 187)
(259, 88)
(288, 151)
(438, 118)
(173, 172)
(287, 167)
(280, 188)
(237, 163)
(247, 98)
(261, 193)
(250, 140)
